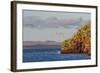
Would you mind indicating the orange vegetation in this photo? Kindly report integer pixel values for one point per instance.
(80, 42)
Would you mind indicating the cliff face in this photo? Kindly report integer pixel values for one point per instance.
(80, 42)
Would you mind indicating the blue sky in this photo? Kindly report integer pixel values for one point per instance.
(50, 25)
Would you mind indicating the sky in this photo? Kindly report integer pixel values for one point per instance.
(51, 25)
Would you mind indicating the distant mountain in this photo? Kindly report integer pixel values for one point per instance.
(42, 44)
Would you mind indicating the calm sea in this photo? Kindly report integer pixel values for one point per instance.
(48, 54)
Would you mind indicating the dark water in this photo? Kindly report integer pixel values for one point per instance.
(48, 54)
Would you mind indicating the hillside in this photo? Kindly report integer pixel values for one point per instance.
(80, 42)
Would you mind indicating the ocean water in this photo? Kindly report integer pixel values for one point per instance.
(50, 54)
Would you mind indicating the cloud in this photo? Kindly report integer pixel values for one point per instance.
(50, 22)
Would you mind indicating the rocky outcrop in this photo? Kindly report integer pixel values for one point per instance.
(80, 42)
